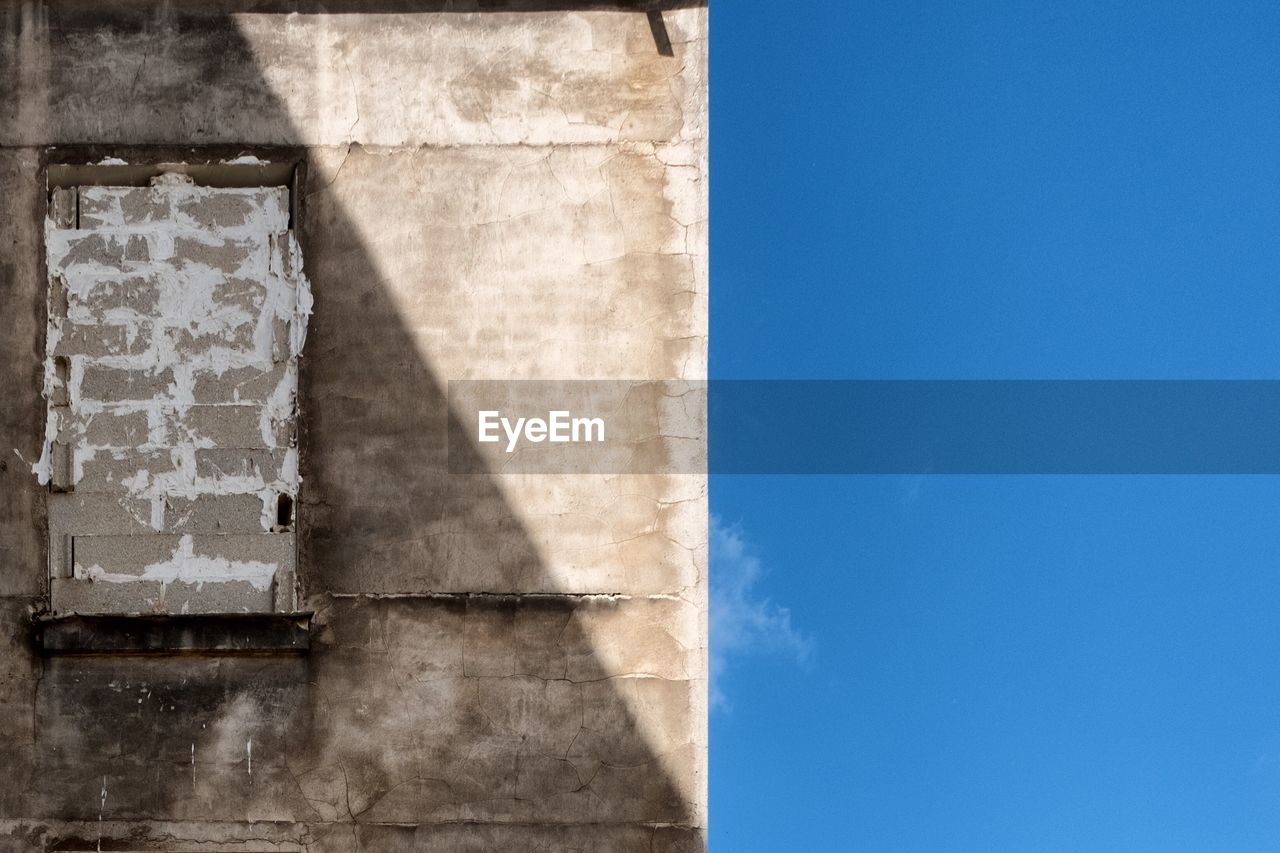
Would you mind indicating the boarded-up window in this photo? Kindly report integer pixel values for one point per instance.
(177, 313)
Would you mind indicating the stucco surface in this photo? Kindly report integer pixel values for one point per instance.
(499, 662)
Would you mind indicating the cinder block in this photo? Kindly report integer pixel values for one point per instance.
(242, 292)
(233, 426)
(98, 513)
(229, 208)
(214, 514)
(60, 456)
(230, 597)
(122, 206)
(62, 207)
(131, 555)
(106, 471)
(122, 554)
(69, 595)
(238, 339)
(93, 249)
(218, 253)
(280, 345)
(273, 548)
(60, 394)
(100, 207)
(98, 341)
(107, 429)
(113, 384)
(282, 255)
(57, 297)
(239, 462)
(216, 211)
(284, 591)
(139, 294)
(59, 552)
(241, 384)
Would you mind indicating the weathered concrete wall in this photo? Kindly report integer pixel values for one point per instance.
(499, 662)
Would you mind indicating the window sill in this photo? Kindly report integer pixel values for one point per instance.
(222, 634)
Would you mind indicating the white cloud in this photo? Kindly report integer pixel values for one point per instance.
(743, 622)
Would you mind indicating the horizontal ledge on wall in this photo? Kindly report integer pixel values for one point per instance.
(218, 634)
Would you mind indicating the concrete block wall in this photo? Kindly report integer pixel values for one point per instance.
(176, 318)
(499, 662)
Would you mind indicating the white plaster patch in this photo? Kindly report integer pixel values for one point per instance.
(185, 566)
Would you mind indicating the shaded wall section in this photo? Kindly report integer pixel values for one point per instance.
(499, 662)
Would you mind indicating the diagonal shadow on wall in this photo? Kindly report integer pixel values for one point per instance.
(436, 711)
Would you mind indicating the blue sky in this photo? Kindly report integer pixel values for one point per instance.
(991, 190)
